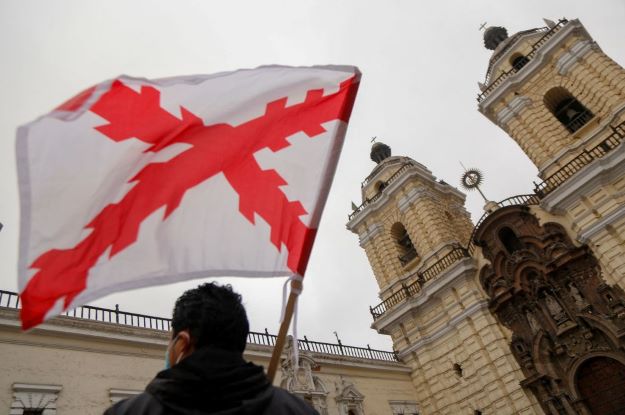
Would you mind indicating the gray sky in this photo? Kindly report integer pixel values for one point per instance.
(420, 66)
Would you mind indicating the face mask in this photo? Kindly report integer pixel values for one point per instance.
(167, 362)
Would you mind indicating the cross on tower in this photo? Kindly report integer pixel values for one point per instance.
(482, 26)
(373, 139)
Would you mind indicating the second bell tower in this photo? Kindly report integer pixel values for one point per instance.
(413, 229)
(562, 100)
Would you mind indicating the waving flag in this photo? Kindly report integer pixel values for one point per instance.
(139, 182)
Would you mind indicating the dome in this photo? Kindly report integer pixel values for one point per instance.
(493, 36)
(380, 152)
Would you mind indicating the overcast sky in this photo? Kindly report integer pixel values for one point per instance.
(420, 66)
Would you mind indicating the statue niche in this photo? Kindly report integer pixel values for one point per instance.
(566, 321)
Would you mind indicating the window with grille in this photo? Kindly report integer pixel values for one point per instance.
(567, 109)
(405, 247)
(518, 62)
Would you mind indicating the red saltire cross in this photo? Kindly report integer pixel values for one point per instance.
(218, 148)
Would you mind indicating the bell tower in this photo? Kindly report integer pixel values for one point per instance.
(408, 219)
(562, 100)
(414, 230)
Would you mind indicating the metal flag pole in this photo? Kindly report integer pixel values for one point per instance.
(296, 290)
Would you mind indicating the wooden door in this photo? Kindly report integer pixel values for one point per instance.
(601, 384)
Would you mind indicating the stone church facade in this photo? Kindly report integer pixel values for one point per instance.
(520, 313)
(523, 313)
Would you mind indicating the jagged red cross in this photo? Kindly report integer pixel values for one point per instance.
(218, 148)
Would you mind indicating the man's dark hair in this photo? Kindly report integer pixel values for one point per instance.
(214, 316)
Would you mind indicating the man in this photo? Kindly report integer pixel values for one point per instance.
(208, 374)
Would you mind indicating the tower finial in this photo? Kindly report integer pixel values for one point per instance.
(471, 179)
(379, 151)
(493, 36)
(550, 23)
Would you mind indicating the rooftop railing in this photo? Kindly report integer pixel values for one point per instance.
(390, 180)
(582, 160)
(407, 291)
(11, 300)
(376, 171)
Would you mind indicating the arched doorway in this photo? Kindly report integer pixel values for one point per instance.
(601, 385)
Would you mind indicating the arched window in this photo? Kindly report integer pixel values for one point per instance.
(568, 110)
(405, 247)
(510, 240)
(518, 61)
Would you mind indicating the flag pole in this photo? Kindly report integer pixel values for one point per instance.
(296, 289)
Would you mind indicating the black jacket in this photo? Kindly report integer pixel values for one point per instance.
(212, 381)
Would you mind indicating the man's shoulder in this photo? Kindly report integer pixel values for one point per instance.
(143, 403)
(281, 403)
(285, 403)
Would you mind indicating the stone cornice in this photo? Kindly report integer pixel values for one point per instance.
(101, 334)
(396, 186)
(369, 233)
(464, 267)
(386, 165)
(447, 328)
(510, 49)
(570, 58)
(577, 147)
(600, 225)
(428, 260)
(75, 327)
(511, 110)
(586, 180)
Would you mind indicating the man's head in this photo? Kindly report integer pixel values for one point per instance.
(209, 315)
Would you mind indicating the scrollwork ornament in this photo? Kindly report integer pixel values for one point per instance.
(577, 345)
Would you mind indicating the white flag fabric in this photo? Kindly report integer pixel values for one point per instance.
(138, 182)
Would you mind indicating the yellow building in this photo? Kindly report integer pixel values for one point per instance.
(525, 314)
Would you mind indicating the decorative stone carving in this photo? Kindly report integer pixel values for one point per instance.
(404, 407)
(555, 309)
(577, 345)
(557, 306)
(301, 381)
(348, 398)
(580, 302)
(521, 350)
(500, 286)
(35, 397)
(533, 323)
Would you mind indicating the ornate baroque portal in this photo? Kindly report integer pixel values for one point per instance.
(568, 325)
(303, 382)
